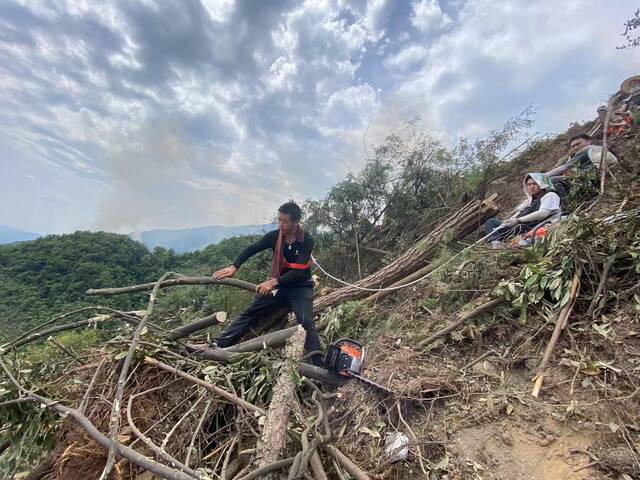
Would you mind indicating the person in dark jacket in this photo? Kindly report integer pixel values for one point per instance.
(582, 156)
(541, 203)
(290, 284)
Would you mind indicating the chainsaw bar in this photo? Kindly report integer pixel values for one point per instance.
(371, 383)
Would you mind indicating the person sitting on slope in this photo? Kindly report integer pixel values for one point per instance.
(582, 157)
(542, 202)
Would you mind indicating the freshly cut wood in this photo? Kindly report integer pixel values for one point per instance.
(270, 340)
(458, 224)
(272, 441)
(273, 340)
(186, 330)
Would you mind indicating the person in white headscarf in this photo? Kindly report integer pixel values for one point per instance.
(541, 203)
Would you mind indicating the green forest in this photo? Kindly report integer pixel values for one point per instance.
(48, 276)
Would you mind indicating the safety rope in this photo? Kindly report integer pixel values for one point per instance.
(398, 287)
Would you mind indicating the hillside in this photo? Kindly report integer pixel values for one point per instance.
(48, 276)
(479, 389)
(179, 240)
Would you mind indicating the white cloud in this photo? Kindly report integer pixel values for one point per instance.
(426, 15)
(349, 108)
(501, 56)
(219, 10)
(406, 58)
(267, 104)
(281, 74)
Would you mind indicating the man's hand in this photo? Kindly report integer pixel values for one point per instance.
(226, 272)
(509, 222)
(265, 287)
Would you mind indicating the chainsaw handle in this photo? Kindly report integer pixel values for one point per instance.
(350, 340)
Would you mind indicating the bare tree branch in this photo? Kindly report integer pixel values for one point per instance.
(101, 439)
(114, 423)
(181, 280)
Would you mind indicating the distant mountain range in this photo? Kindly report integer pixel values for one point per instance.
(10, 235)
(190, 239)
(181, 240)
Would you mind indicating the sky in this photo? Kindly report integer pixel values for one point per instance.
(132, 115)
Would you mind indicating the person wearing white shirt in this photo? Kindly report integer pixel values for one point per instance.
(542, 202)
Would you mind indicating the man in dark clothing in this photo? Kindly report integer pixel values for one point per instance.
(582, 157)
(290, 284)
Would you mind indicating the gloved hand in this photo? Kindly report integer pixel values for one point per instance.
(509, 222)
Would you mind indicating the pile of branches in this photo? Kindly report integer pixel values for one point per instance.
(149, 402)
(242, 401)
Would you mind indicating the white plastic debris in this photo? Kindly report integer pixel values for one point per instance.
(396, 446)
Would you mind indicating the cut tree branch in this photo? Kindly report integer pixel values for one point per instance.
(480, 309)
(62, 328)
(114, 423)
(174, 282)
(101, 439)
(602, 284)
(230, 397)
(355, 471)
(268, 468)
(560, 324)
(605, 145)
(201, 324)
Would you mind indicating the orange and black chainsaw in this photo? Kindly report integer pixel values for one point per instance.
(346, 358)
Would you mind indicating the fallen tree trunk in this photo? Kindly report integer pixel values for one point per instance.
(274, 434)
(224, 355)
(116, 410)
(275, 339)
(270, 340)
(186, 330)
(461, 223)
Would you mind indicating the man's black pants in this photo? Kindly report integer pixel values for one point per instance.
(299, 299)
